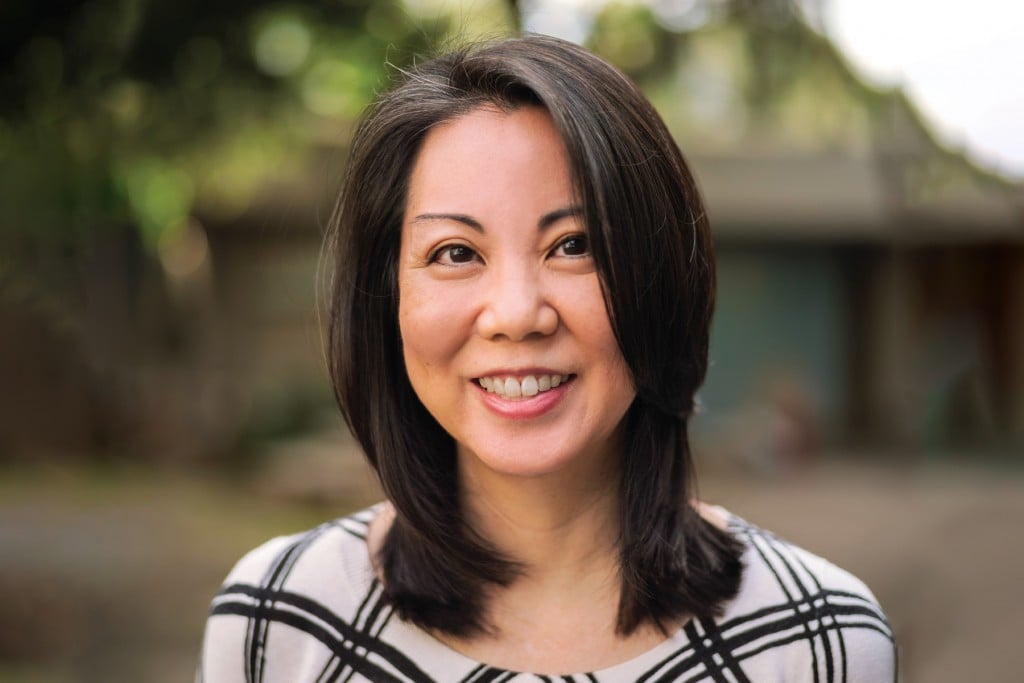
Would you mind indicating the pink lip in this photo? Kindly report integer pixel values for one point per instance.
(523, 408)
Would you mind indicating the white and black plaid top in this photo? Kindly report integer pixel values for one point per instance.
(308, 608)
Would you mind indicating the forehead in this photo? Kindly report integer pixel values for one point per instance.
(490, 154)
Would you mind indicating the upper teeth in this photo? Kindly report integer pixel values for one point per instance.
(530, 385)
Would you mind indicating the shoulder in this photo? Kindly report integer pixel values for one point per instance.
(296, 560)
(796, 607)
(283, 602)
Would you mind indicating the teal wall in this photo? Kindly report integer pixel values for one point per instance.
(781, 321)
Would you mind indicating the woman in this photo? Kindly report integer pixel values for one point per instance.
(523, 289)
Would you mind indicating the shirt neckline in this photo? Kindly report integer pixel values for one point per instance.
(404, 630)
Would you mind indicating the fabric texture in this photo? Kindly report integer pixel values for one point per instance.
(308, 608)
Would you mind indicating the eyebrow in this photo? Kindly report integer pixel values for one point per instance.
(545, 222)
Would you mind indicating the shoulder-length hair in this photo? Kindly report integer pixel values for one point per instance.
(652, 249)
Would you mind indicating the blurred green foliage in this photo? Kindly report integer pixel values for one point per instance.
(723, 70)
(137, 112)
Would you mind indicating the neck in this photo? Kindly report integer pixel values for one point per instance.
(560, 613)
(556, 525)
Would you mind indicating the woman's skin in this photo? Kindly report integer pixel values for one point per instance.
(496, 282)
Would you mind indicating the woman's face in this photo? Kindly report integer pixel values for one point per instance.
(505, 334)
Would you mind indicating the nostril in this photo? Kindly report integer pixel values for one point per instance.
(516, 312)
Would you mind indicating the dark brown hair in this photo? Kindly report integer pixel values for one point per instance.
(652, 249)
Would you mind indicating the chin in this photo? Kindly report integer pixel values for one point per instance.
(521, 460)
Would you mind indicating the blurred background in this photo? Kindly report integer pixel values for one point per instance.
(166, 173)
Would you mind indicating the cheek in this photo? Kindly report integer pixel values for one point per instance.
(597, 330)
(414, 326)
(588, 309)
(428, 327)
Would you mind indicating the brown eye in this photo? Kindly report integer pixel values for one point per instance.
(573, 246)
(454, 254)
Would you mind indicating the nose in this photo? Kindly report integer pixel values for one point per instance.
(516, 307)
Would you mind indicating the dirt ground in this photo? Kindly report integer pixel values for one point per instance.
(105, 575)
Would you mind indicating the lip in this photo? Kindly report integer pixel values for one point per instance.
(523, 408)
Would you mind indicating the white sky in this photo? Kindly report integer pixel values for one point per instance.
(962, 63)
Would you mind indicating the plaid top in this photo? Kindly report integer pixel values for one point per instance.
(308, 608)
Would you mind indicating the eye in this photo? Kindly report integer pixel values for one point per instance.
(573, 246)
(453, 255)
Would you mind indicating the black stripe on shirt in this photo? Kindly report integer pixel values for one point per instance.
(350, 637)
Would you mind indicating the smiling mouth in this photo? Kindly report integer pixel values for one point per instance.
(522, 387)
